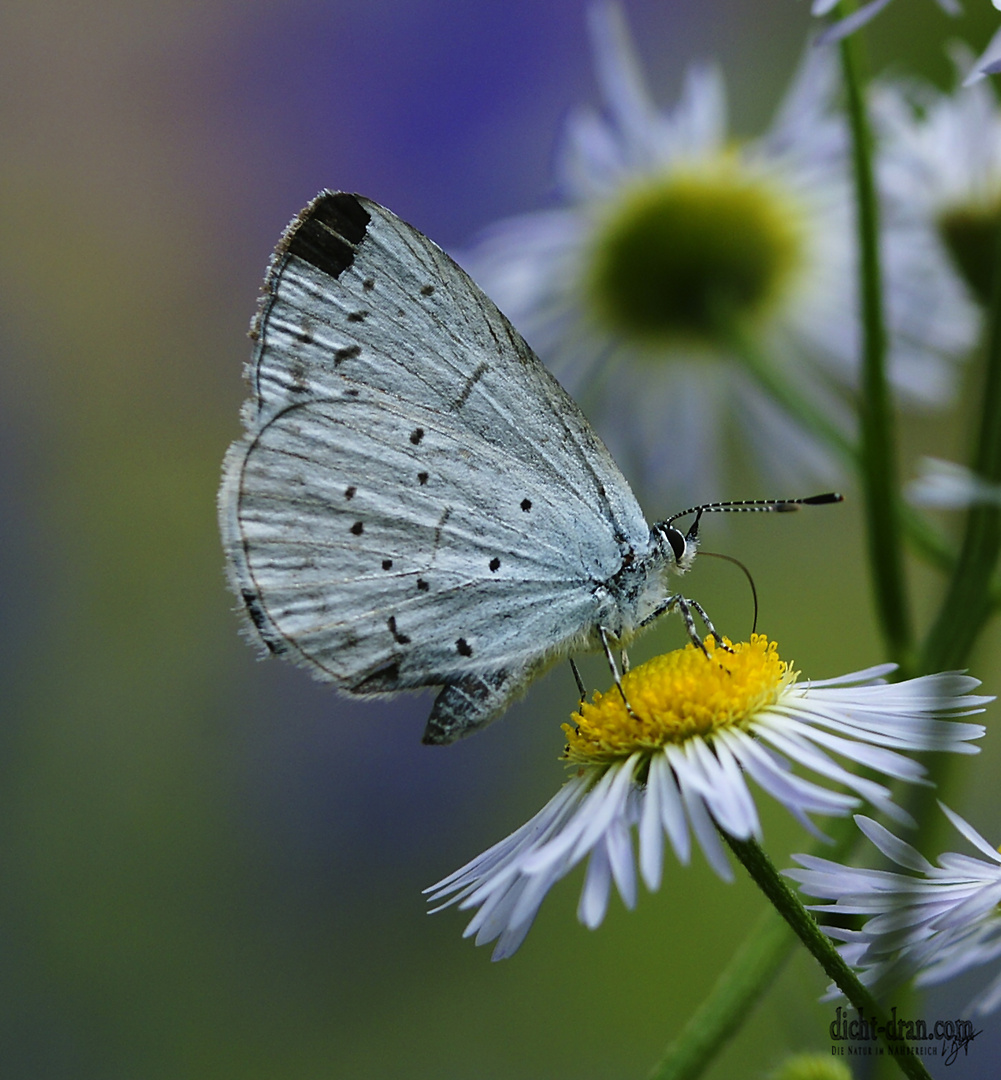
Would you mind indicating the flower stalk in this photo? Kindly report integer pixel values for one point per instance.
(806, 928)
(968, 601)
(876, 427)
(740, 985)
(719, 1017)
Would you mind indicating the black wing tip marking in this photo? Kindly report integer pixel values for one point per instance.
(327, 232)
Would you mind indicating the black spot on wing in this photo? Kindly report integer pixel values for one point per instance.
(463, 648)
(495, 564)
(400, 639)
(349, 493)
(416, 435)
(328, 233)
(526, 505)
(368, 284)
(422, 585)
(422, 478)
(358, 528)
(349, 352)
(357, 316)
(427, 290)
(387, 564)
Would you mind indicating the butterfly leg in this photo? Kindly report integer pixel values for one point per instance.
(709, 626)
(615, 670)
(662, 608)
(684, 607)
(679, 603)
(580, 682)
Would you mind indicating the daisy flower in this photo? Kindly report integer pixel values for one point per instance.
(679, 258)
(930, 923)
(675, 762)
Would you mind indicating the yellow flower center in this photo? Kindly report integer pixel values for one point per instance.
(678, 258)
(679, 696)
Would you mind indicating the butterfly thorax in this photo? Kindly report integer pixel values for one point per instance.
(639, 588)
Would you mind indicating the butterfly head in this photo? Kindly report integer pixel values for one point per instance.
(677, 548)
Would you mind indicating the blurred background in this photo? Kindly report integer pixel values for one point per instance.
(211, 866)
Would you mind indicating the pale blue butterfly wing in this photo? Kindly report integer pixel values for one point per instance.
(416, 501)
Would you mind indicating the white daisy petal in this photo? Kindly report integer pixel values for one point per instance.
(971, 834)
(597, 884)
(651, 831)
(866, 677)
(857, 19)
(988, 63)
(620, 75)
(733, 806)
(672, 809)
(800, 796)
(788, 743)
(620, 857)
(705, 832)
(895, 850)
(703, 772)
(850, 23)
(612, 808)
(944, 485)
(699, 124)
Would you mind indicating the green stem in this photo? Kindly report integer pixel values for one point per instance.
(737, 990)
(971, 597)
(742, 982)
(876, 427)
(783, 392)
(789, 906)
(968, 601)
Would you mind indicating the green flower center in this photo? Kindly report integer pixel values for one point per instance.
(971, 237)
(683, 257)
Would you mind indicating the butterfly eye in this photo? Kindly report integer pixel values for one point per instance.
(677, 541)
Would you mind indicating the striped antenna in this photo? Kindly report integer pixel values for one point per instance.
(778, 506)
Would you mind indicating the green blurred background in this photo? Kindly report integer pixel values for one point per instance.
(211, 867)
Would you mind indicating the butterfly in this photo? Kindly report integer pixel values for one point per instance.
(416, 501)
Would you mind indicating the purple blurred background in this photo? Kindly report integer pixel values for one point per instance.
(211, 867)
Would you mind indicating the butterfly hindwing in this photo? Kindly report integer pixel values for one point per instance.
(351, 510)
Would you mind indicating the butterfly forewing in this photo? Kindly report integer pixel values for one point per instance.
(416, 500)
